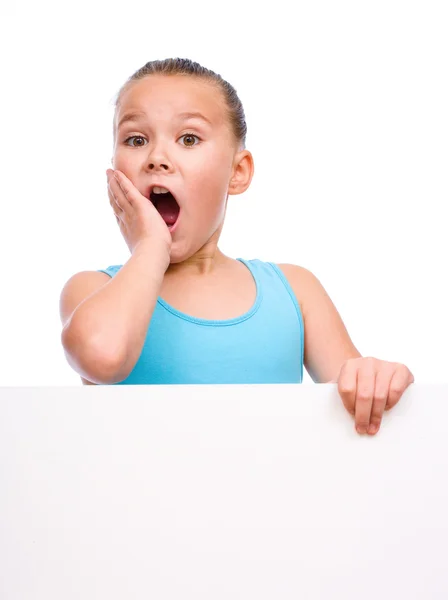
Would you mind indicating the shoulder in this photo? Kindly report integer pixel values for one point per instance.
(78, 288)
(294, 272)
(303, 282)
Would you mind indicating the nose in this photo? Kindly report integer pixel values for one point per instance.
(156, 166)
(158, 160)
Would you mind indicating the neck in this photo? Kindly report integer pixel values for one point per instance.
(203, 262)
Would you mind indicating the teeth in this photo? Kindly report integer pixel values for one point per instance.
(159, 190)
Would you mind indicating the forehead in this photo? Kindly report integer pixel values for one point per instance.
(164, 96)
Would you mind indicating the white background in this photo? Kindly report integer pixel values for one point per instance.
(346, 105)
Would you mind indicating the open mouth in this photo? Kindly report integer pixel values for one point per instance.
(166, 205)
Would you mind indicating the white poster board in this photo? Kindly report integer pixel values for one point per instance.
(220, 492)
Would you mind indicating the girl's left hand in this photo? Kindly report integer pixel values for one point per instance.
(369, 386)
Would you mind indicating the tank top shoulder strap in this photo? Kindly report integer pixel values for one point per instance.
(111, 271)
(270, 272)
(278, 295)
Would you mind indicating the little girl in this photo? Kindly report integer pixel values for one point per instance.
(179, 310)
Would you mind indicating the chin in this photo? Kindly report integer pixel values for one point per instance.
(182, 250)
(174, 260)
(178, 253)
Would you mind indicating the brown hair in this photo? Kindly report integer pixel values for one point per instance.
(185, 66)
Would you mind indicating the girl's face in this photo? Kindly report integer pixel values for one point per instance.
(180, 139)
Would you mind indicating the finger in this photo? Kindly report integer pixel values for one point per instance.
(115, 194)
(118, 212)
(382, 382)
(126, 189)
(112, 191)
(347, 385)
(364, 395)
(117, 198)
(401, 379)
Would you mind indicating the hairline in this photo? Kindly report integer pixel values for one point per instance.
(204, 77)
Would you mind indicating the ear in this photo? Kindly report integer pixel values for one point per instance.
(242, 172)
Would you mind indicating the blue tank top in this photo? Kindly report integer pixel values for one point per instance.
(264, 345)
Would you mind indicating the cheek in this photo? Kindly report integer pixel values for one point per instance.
(211, 178)
(209, 198)
(122, 162)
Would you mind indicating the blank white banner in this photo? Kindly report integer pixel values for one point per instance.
(220, 492)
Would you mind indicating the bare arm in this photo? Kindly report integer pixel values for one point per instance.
(327, 342)
(104, 335)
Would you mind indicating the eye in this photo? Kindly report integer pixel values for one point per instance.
(189, 136)
(134, 137)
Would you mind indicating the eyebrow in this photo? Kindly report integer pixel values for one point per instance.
(137, 115)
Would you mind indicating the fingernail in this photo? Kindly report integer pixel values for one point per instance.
(373, 428)
(360, 429)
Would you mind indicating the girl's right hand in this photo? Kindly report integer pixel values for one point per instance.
(136, 215)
